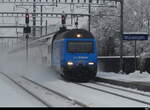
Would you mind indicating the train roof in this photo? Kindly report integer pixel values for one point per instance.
(63, 34)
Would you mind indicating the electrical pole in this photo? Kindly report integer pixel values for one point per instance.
(148, 26)
(76, 23)
(34, 18)
(41, 20)
(135, 57)
(27, 47)
(121, 35)
(89, 25)
(46, 28)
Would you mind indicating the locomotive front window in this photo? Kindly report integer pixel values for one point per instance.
(80, 47)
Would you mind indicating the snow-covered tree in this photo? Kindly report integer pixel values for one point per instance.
(136, 17)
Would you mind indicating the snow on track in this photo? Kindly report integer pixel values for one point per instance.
(12, 96)
(55, 99)
(134, 91)
(48, 97)
(121, 93)
(86, 96)
(91, 97)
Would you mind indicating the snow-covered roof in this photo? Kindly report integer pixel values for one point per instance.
(135, 32)
(117, 56)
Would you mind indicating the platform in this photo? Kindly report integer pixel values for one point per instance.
(141, 82)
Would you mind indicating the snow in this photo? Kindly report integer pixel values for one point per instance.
(136, 76)
(127, 94)
(12, 96)
(44, 75)
(91, 97)
(146, 33)
(117, 57)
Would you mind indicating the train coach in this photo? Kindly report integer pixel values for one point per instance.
(74, 54)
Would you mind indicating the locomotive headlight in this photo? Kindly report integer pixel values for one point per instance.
(69, 63)
(91, 63)
(79, 35)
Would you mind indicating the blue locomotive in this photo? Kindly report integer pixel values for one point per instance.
(74, 55)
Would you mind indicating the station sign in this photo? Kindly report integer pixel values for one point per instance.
(135, 36)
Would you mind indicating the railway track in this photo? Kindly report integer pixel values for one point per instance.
(110, 89)
(121, 89)
(72, 101)
(48, 97)
(18, 83)
(52, 97)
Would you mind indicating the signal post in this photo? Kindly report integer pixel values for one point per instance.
(63, 20)
(27, 31)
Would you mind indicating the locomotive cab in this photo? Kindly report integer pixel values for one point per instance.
(80, 58)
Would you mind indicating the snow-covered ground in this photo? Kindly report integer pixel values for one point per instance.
(91, 97)
(43, 74)
(136, 76)
(12, 96)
